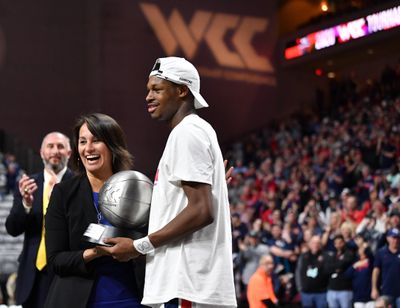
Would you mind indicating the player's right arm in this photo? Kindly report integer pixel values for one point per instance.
(196, 215)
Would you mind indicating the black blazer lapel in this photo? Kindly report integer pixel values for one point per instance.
(86, 196)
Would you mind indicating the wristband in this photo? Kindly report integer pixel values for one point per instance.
(143, 245)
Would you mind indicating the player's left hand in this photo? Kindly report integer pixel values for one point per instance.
(228, 174)
(122, 249)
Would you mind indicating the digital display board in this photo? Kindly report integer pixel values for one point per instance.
(344, 32)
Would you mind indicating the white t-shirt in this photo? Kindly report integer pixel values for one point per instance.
(197, 268)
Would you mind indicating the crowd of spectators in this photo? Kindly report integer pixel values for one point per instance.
(332, 173)
(339, 8)
(9, 174)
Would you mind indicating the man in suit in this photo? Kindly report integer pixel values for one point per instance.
(26, 216)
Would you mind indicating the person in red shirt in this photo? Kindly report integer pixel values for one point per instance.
(351, 212)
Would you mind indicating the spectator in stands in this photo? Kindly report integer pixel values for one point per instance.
(394, 175)
(383, 302)
(312, 209)
(260, 291)
(351, 211)
(333, 207)
(379, 213)
(367, 230)
(347, 230)
(372, 197)
(311, 276)
(392, 196)
(292, 221)
(13, 170)
(394, 219)
(387, 152)
(3, 178)
(323, 194)
(365, 184)
(311, 223)
(340, 294)
(239, 231)
(251, 251)
(267, 214)
(331, 231)
(333, 176)
(360, 273)
(353, 166)
(27, 216)
(387, 269)
(283, 249)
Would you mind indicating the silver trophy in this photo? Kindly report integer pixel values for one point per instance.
(124, 200)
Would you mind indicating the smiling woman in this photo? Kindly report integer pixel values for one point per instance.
(95, 157)
(101, 128)
(85, 276)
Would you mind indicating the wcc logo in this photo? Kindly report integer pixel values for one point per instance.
(211, 28)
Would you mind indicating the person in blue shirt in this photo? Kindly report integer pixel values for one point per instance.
(360, 273)
(387, 269)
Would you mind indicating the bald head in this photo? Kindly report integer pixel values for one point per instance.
(267, 263)
(55, 151)
(314, 244)
(58, 136)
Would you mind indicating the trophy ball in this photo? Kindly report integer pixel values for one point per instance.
(125, 199)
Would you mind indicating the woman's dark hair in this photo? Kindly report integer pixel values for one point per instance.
(107, 130)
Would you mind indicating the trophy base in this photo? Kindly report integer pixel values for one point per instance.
(96, 233)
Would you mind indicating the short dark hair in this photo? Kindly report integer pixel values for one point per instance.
(107, 130)
(338, 236)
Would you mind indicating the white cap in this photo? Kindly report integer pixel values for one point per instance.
(180, 71)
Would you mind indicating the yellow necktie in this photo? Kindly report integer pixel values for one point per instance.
(41, 256)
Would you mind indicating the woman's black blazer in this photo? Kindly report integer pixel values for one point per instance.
(70, 212)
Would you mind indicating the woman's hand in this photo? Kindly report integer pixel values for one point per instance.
(93, 253)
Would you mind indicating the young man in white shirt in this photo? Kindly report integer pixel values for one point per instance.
(189, 246)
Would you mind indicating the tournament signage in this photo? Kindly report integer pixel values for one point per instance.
(229, 37)
(231, 43)
(344, 32)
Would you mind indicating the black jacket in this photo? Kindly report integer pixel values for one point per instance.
(30, 224)
(311, 275)
(70, 212)
(337, 264)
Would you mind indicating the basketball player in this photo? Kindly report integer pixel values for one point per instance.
(188, 249)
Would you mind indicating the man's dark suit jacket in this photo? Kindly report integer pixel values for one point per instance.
(70, 212)
(19, 222)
